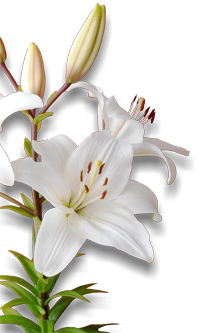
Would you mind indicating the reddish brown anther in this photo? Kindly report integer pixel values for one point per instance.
(101, 168)
(153, 117)
(81, 176)
(146, 111)
(105, 181)
(86, 189)
(151, 114)
(89, 167)
(103, 195)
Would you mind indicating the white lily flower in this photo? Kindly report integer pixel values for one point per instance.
(93, 199)
(125, 126)
(10, 104)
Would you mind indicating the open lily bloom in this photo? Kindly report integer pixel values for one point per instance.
(129, 126)
(93, 199)
(10, 104)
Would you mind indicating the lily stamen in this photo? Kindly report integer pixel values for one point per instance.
(131, 106)
(97, 165)
(145, 113)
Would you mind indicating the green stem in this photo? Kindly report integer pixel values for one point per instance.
(55, 97)
(7, 197)
(36, 199)
(9, 75)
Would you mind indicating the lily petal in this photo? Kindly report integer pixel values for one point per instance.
(95, 93)
(148, 149)
(56, 243)
(55, 152)
(18, 101)
(139, 199)
(117, 156)
(110, 224)
(43, 179)
(162, 145)
(6, 171)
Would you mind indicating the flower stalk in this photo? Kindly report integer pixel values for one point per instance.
(9, 75)
(7, 197)
(55, 97)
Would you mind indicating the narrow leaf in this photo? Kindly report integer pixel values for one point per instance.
(19, 291)
(42, 116)
(39, 126)
(15, 302)
(51, 96)
(28, 266)
(46, 325)
(28, 115)
(68, 293)
(61, 305)
(11, 312)
(33, 305)
(28, 325)
(86, 329)
(21, 282)
(28, 203)
(17, 210)
(28, 147)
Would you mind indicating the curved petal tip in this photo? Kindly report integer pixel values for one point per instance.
(157, 217)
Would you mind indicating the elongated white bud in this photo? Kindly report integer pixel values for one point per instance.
(86, 45)
(2, 52)
(33, 75)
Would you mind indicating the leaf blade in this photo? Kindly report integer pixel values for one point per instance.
(28, 325)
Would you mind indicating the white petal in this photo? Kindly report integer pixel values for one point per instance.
(43, 179)
(56, 243)
(112, 225)
(139, 199)
(55, 151)
(18, 101)
(114, 110)
(6, 171)
(96, 92)
(148, 149)
(162, 145)
(116, 155)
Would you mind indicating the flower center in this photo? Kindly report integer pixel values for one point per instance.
(88, 193)
(134, 111)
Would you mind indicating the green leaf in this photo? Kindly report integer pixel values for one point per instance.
(85, 329)
(10, 312)
(39, 126)
(33, 305)
(28, 115)
(28, 203)
(28, 266)
(47, 284)
(19, 291)
(61, 305)
(17, 210)
(28, 147)
(21, 282)
(68, 293)
(28, 325)
(42, 116)
(70, 330)
(46, 325)
(15, 302)
(51, 96)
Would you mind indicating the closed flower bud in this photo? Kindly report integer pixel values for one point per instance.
(2, 52)
(33, 75)
(86, 45)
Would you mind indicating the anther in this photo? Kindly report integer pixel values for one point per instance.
(145, 113)
(151, 114)
(133, 101)
(153, 117)
(101, 168)
(89, 167)
(81, 176)
(103, 195)
(86, 189)
(105, 181)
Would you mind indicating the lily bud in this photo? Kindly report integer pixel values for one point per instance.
(2, 52)
(86, 45)
(33, 75)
